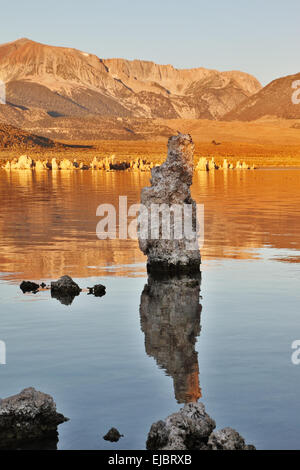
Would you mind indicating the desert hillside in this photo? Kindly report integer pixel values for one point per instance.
(12, 138)
(274, 100)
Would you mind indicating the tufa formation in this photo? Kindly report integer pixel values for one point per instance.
(168, 217)
(191, 428)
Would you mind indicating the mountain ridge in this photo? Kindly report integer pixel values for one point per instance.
(45, 82)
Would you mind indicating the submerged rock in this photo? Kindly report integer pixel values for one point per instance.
(29, 286)
(170, 187)
(29, 415)
(98, 290)
(191, 428)
(65, 290)
(112, 435)
(65, 285)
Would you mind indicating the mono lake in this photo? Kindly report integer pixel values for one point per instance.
(104, 360)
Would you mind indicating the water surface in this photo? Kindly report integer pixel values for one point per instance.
(126, 361)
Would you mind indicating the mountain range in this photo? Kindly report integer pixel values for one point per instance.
(50, 90)
(67, 94)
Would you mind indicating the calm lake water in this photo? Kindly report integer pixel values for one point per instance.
(127, 360)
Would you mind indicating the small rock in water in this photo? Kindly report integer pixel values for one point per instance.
(65, 290)
(98, 290)
(28, 286)
(113, 435)
(65, 285)
(29, 415)
(191, 428)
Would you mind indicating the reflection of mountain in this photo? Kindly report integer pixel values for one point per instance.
(48, 223)
(170, 319)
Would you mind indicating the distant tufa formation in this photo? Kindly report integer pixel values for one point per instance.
(170, 186)
(205, 164)
(106, 164)
(111, 164)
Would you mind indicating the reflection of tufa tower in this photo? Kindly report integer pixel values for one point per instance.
(170, 319)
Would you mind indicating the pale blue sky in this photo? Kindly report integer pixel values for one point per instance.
(261, 37)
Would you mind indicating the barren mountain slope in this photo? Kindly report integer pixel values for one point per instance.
(273, 100)
(13, 138)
